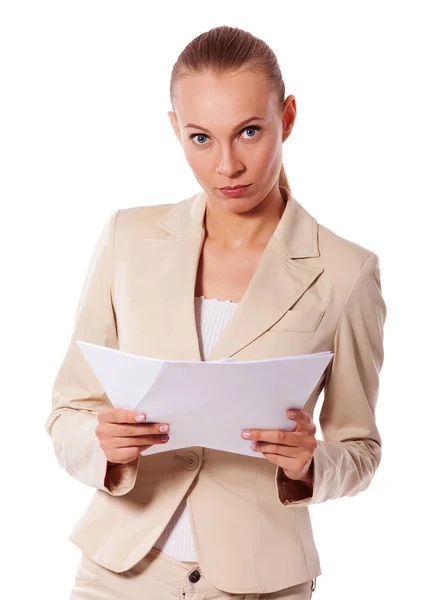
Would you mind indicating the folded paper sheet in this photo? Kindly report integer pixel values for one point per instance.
(207, 403)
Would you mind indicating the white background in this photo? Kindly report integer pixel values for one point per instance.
(84, 130)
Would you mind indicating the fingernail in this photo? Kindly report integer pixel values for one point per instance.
(140, 417)
(164, 438)
(246, 434)
(292, 413)
(163, 428)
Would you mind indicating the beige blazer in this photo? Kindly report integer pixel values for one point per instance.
(312, 291)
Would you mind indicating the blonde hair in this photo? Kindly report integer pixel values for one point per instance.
(224, 49)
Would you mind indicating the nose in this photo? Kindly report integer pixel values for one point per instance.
(230, 165)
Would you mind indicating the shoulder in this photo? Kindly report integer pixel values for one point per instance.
(141, 219)
(353, 278)
(347, 266)
(343, 256)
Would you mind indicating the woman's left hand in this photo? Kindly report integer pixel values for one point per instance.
(290, 450)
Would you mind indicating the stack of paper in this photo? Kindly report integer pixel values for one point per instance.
(207, 403)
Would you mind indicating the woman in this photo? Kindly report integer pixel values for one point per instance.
(165, 281)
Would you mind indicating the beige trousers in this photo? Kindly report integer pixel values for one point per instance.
(161, 577)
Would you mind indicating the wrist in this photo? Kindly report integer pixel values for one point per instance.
(306, 478)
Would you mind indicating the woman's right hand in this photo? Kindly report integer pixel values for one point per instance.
(123, 438)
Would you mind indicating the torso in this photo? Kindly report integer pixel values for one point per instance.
(225, 275)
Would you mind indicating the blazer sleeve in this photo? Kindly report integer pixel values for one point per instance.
(77, 396)
(345, 461)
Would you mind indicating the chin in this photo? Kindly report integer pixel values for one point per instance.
(240, 205)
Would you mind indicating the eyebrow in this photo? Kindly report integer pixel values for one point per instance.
(235, 128)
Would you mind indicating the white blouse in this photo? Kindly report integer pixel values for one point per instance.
(212, 317)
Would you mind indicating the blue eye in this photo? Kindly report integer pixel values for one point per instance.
(252, 127)
(198, 135)
(203, 135)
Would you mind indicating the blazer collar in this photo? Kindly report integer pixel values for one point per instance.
(297, 230)
(277, 283)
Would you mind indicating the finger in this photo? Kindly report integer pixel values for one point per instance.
(141, 440)
(126, 455)
(280, 449)
(276, 436)
(300, 416)
(303, 420)
(122, 430)
(288, 463)
(120, 415)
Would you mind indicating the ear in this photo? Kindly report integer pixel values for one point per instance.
(174, 124)
(289, 116)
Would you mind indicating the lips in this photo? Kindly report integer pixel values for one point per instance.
(236, 187)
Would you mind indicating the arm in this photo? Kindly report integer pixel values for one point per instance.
(77, 396)
(344, 463)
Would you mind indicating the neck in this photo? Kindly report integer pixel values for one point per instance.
(240, 231)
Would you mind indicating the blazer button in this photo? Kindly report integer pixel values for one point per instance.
(194, 576)
(190, 461)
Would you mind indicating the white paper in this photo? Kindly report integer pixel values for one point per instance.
(207, 403)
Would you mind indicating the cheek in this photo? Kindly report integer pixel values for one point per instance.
(198, 163)
(267, 159)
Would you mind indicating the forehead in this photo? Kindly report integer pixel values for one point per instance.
(210, 100)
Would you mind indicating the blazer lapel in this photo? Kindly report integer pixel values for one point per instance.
(174, 263)
(277, 283)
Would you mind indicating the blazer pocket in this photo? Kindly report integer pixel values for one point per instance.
(300, 320)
